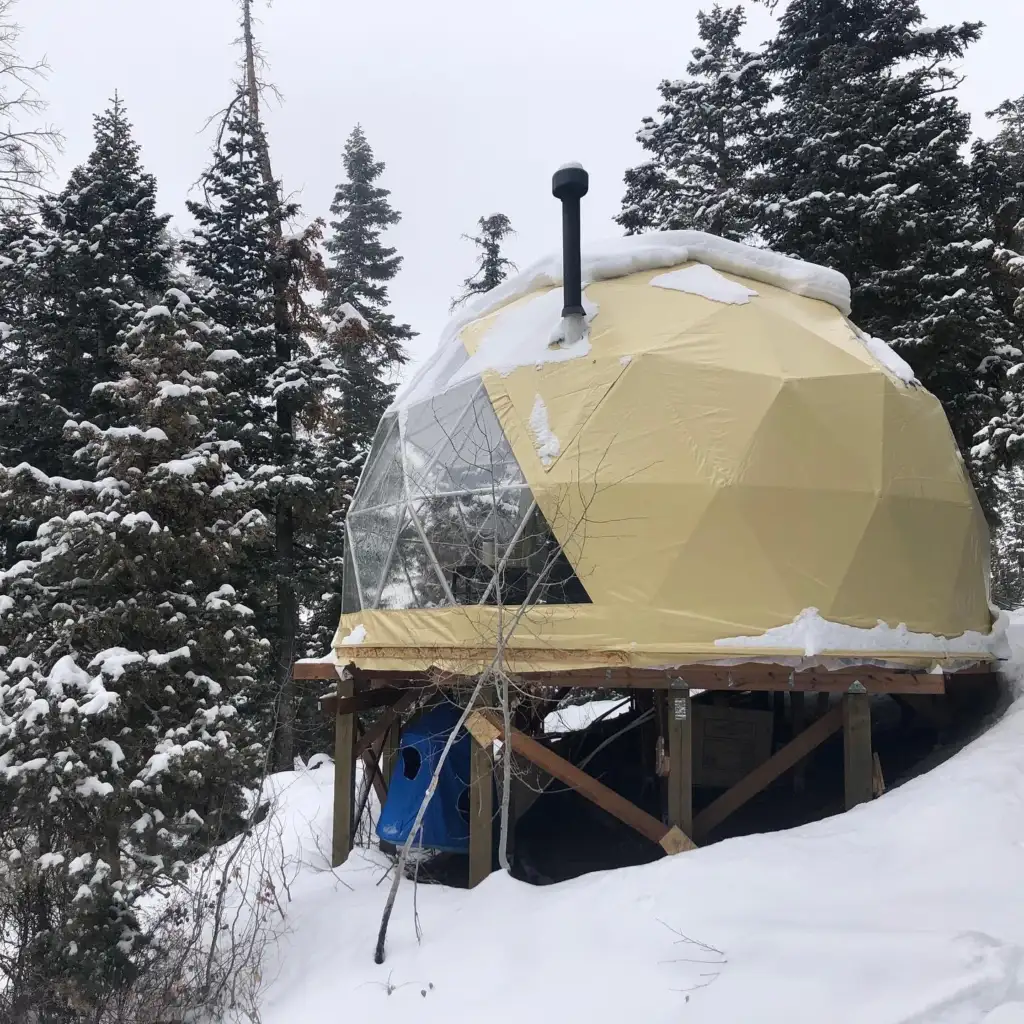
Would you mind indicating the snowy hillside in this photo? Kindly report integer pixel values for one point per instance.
(909, 910)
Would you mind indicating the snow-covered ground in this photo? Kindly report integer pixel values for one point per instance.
(909, 910)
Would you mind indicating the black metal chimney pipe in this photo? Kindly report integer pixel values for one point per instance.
(570, 185)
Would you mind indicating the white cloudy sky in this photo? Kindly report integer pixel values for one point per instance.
(471, 104)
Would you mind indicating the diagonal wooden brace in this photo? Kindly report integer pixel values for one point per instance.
(764, 774)
(485, 728)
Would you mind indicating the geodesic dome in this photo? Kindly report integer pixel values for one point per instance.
(722, 453)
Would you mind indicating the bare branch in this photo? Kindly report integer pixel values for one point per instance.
(25, 151)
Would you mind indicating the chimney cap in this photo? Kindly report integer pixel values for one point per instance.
(570, 182)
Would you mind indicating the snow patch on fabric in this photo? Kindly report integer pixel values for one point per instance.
(604, 261)
(813, 635)
(529, 334)
(707, 282)
(890, 359)
(357, 636)
(544, 440)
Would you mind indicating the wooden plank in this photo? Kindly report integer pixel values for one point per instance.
(680, 761)
(779, 763)
(310, 670)
(586, 785)
(858, 765)
(371, 777)
(754, 677)
(481, 811)
(344, 779)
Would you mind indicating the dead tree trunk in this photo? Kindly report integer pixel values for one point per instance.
(287, 603)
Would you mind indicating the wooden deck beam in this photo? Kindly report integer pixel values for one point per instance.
(486, 727)
(698, 677)
(365, 700)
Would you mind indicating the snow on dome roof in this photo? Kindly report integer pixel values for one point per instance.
(619, 257)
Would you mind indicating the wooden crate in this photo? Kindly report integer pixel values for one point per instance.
(728, 743)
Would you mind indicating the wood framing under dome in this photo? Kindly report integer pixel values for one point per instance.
(393, 694)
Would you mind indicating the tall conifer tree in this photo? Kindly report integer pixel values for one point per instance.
(998, 170)
(98, 253)
(359, 270)
(864, 172)
(704, 141)
(127, 660)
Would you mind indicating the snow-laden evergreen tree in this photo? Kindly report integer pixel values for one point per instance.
(998, 169)
(285, 417)
(230, 251)
(99, 251)
(865, 173)
(491, 266)
(703, 144)
(1008, 540)
(72, 275)
(998, 166)
(128, 662)
(358, 273)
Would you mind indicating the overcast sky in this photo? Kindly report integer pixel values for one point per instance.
(471, 104)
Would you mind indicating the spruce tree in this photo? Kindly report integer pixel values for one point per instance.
(98, 253)
(998, 171)
(359, 270)
(128, 660)
(863, 172)
(492, 267)
(284, 417)
(72, 274)
(704, 141)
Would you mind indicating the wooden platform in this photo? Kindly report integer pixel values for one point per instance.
(394, 694)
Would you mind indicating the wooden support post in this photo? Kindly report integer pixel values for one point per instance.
(798, 719)
(481, 811)
(680, 760)
(344, 778)
(858, 764)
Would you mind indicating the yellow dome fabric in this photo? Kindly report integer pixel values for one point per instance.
(717, 469)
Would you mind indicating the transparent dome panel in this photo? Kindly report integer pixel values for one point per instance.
(411, 580)
(349, 591)
(442, 512)
(470, 452)
(537, 570)
(383, 479)
(427, 426)
(470, 535)
(373, 534)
